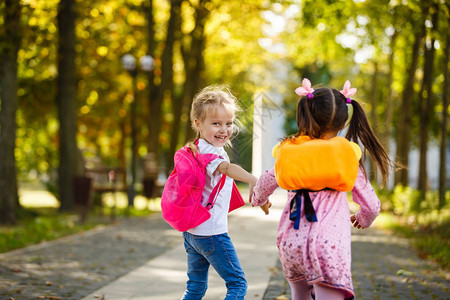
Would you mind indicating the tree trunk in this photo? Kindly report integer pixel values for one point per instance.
(165, 87)
(154, 102)
(173, 35)
(175, 132)
(374, 99)
(389, 103)
(404, 130)
(194, 63)
(123, 135)
(443, 146)
(66, 103)
(426, 106)
(10, 43)
(373, 115)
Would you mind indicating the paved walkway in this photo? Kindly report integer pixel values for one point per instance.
(143, 258)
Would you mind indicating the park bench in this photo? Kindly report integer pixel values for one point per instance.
(97, 180)
(107, 179)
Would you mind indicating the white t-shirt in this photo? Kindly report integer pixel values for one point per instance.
(218, 223)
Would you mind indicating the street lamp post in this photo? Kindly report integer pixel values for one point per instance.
(129, 64)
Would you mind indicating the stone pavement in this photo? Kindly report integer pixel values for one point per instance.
(143, 258)
(74, 266)
(383, 267)
(253, 235)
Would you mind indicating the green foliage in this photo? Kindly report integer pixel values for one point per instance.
(125, 212)
(404, 198)
(350, 38)
(46, 224)
(246, 42)
(40, 226)
(407, 201)
(105, 31)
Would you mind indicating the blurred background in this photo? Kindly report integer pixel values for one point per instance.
(95, 95)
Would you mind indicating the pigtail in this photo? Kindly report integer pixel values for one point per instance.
(307, 124)
(192, 144)
(317, 113)
(359, 130)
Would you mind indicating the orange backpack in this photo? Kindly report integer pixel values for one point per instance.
(316, 164)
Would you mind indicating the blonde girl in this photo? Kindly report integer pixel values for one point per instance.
(213, 115)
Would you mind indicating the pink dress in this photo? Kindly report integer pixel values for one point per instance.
(320, 252)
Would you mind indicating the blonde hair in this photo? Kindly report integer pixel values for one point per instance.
(209, 98)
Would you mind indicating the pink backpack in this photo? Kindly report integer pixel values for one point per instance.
(182, 195)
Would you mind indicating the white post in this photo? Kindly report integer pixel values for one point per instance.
(268, 118)
(257, 135)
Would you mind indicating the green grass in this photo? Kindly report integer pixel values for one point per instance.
(429, 233)
(37, 224)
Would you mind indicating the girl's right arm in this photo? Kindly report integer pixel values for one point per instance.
(238, 173)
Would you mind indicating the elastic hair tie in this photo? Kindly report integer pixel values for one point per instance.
(305, 89)
(348, 91)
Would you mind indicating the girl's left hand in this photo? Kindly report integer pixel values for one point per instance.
(355, 222)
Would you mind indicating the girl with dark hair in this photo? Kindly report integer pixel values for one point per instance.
(318, 168)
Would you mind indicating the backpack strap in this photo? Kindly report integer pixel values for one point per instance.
(296, 204)
(204, 159)
(215, 192)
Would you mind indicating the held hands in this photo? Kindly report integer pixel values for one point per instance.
(251, 185)
(236, 172)
(355, 222)
(267, 205)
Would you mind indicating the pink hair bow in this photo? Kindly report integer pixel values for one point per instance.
(348, 91)
(305, 89)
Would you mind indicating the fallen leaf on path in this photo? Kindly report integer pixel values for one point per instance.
(405, 273)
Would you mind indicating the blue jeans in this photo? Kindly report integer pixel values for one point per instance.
(218, 251)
